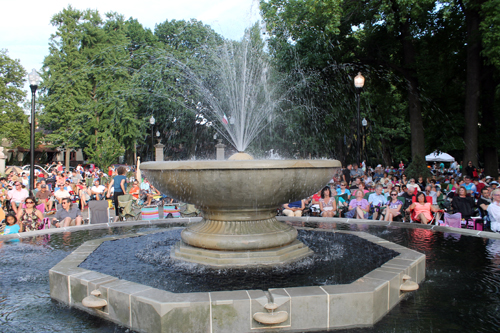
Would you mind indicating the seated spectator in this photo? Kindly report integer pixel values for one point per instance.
(408, 200)
(356, 172)
(393, 207)
(356, 184)
(430, 193)
(97, 191)
(25, 180)
(344, 190)
(377, 200)
(362, 188)
(388, 189)
(463, 204)
(358, 207)
(44, 196)
(60, 179)
(68, 215)
(29, 218)
(423, 209)
(469, 185)
(327, 204)
(493, 185)
(135, 190)
(421, 183)
(83, 194)
(386, 179)
(494, 211)
(379, 173)
(294, 208)
(414, 185)
(17, 196)
(12, 226)
(151, 194)
(61, 194)
(314, 203)
(483, 202)
(67, 186)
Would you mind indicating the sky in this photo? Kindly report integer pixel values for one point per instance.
(25, 25)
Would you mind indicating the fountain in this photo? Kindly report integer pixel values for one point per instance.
(239, 199)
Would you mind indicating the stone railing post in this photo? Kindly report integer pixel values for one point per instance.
(220, 150)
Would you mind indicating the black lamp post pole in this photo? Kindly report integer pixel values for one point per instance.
(357, 150)
(32, 139)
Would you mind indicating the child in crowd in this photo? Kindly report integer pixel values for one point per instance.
(12, 226)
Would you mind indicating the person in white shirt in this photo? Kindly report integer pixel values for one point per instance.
(98, 190)
(17, 196)
(494, 211)
(377, 200)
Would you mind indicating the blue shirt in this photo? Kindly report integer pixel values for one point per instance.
(296, 204)
(377, 200)
(11, 229)
(116, 184)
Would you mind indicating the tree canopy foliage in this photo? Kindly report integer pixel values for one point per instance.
(431, 67)
(14, 125)
(431, 73)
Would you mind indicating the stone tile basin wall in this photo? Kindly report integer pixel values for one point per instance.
(146, 309)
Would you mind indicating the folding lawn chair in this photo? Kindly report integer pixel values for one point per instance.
(453, 220)
(125, 206)
(150, 213)
(98, 211)
(171, 211)
(188, 210)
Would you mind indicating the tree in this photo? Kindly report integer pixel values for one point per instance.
(64, 85)
(13, 122)
(87, 84)
(162, 89)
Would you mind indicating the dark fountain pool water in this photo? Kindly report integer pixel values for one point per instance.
(461, 292)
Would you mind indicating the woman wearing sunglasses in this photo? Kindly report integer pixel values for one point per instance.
(29, 218)
(393, 207)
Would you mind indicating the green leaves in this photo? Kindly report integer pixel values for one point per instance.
(86, 82)
(13, 122)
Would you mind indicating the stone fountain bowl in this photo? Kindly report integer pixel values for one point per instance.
(239, 198)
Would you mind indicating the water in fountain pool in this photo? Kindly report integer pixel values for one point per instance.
(338, 259)
(460, 293)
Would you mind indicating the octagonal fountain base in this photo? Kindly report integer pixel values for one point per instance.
(146, 309)
(273, 256)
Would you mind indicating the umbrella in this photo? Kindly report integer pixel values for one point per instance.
(138, 171)
(439, 157)
(16, 169)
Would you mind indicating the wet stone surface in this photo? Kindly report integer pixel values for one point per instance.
(338, 259)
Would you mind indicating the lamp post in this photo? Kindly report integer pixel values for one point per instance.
(34, 79)
(359, 82)
(364, 123)
(152, 122)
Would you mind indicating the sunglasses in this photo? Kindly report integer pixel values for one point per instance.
(29, 202)
(394, 195)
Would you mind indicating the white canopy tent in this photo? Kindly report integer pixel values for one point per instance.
(439, 157)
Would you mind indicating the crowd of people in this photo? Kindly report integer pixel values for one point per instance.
(359, 192)
(387, 194)
(64, 194)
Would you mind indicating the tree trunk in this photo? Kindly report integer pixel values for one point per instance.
(472, 92)
(67, 155)
(386, 152)
(414, 104)
(489, 123)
